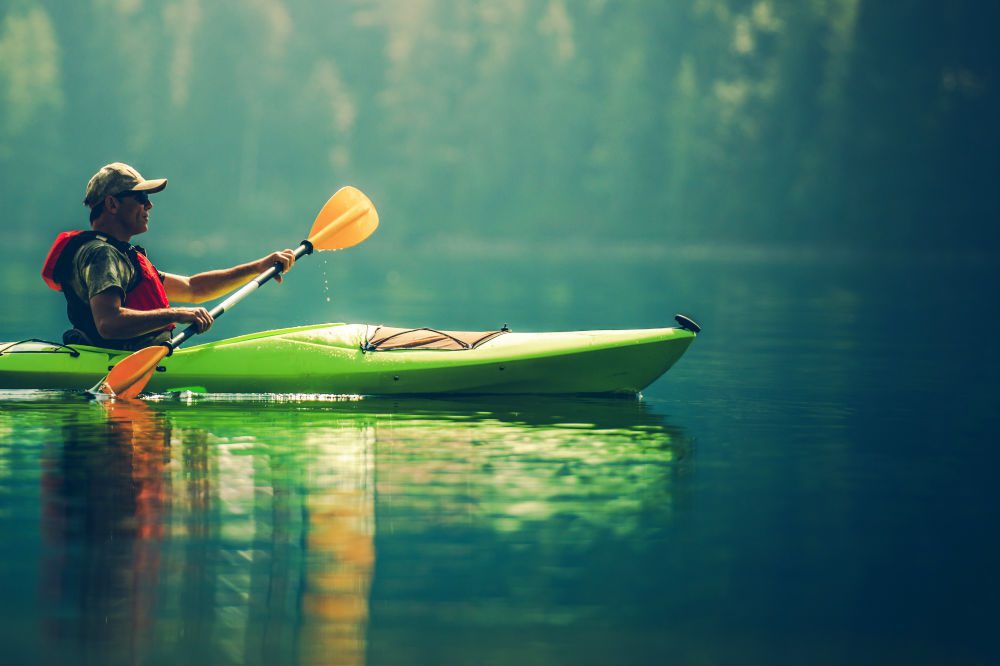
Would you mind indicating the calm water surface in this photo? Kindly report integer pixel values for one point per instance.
(812, 483)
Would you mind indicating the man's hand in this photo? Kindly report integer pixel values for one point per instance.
(200, 317)
(286, 258)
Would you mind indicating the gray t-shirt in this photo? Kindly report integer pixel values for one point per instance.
(97, 267)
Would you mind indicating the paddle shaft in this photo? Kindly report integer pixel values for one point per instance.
(305, 248)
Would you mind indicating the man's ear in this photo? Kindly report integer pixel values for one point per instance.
(111, 204)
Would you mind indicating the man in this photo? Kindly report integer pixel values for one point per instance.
(115, 298)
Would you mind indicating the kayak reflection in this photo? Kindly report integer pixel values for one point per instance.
(221, 529)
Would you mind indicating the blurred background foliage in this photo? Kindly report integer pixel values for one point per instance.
(855, 122)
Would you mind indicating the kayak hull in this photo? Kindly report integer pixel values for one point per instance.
(330, 359)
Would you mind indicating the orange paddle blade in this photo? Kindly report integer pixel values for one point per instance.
(130, 376)
(137, 386)
(348, 218)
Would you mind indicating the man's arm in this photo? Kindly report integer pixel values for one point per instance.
(213, 284)
(116, 322)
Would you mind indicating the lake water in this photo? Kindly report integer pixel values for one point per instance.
(813, 483)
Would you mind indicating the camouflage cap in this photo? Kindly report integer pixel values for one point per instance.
(116, 178)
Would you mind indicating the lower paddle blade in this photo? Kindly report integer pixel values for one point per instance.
(348, 218)
(130, 376)
(136, 387)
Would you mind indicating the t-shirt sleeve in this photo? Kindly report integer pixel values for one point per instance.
(101, 267)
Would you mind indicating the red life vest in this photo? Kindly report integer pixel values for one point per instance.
(146, 294)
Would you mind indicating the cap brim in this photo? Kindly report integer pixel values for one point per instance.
(151, 186)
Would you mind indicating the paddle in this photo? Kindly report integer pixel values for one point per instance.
(348, 218)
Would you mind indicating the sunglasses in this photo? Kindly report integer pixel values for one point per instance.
(141, 197)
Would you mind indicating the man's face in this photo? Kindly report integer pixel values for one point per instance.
(133, 211)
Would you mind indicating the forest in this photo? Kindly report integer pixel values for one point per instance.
(861, 123)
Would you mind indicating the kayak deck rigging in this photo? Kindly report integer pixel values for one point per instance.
(387, 338)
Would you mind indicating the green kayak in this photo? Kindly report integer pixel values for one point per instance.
(361, 359)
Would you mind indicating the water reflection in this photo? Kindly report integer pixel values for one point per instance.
(523, 531)
(104, 500)
(217, 529)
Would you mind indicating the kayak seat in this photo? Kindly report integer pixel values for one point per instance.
(388, 338)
